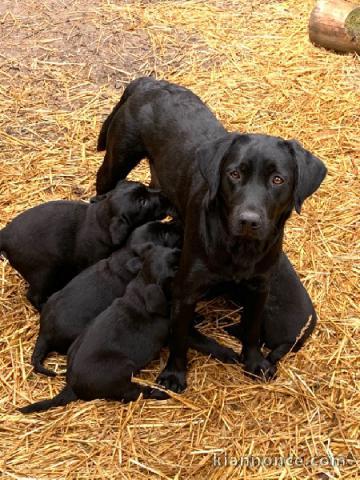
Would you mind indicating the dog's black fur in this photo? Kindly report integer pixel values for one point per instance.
(234, 193)
(49, 244)
(122, 339)
(68, 312)
(288, 318)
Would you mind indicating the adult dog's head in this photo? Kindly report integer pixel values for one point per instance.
(256, 180)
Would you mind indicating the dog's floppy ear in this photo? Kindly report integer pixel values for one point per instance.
(311, 171)
(210, 157)
(155, 300)
(119, 231)
(134, 265)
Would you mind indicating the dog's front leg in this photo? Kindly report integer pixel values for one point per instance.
(173, 376)
(190, 282)
(255, 296)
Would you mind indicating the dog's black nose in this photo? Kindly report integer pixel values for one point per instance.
(250, 220)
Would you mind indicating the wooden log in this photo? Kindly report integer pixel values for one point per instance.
(335, 24)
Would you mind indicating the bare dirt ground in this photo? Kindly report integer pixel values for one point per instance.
(63, 65)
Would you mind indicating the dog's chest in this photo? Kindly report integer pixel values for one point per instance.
(228, 268)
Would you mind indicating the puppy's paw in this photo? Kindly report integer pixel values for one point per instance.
(172, 380)
(261, 368)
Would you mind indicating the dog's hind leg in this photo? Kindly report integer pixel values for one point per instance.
(66, 396)
(204, 344)
(116, 166)
(46, 281)
(124, 150)
(39, 354)
(129, 90)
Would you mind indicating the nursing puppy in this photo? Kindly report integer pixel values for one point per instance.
(123, 339)
(234, 193)
(68, 312)
(289, 317)
(49, 244)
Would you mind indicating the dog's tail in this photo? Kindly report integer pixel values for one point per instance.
(39, 354)
(67, 395)
(129, 90)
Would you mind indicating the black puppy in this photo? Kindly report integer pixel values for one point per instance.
(69, 311)
(233, 192)
(288, 318)
(49, 244)
(122, 339)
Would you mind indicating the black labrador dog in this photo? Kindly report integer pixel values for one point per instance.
(234, 193)
(122, 339)
(49, 244)
(69, 311)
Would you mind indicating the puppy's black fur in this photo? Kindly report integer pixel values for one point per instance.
(289, 317)
(122, 339)
(49, 244)
(234, 193)
(68, 312)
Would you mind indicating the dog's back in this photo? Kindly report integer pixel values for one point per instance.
(40, 231)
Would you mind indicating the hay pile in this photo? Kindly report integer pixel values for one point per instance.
(62, 67)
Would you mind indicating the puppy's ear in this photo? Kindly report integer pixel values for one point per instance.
(210, 157)
(311, 171)
(119, 231)
(134, 265)
(155, 300)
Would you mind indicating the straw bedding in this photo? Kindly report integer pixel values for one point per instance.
(62, 67)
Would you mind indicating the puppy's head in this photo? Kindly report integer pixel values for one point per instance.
(167, 234)
(160, 264)
(158, 271)
(257, 180)
(132, 204)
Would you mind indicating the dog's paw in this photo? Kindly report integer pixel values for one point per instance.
(260, 368)
(158, 394)
(172, 380)
(155, 394)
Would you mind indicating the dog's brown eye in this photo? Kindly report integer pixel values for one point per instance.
(276, 180)
(235, 174)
